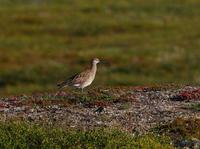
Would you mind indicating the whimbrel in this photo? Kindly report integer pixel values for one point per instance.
(83, 79)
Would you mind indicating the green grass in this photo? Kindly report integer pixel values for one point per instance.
(195, 107)
(23, 135)
(140, 42)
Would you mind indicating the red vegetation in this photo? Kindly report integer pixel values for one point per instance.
(43, 103)
(14, 101)
(126, 98)
(188, 95)
(97, 103)
(2, 105)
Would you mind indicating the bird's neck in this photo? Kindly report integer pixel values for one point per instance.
(94, 67)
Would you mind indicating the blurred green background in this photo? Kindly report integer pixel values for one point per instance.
(141, 42)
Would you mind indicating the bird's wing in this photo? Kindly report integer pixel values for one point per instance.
(80, 78)
(66, 82)
(75, 79)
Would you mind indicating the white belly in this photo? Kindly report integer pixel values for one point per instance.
(87, 82)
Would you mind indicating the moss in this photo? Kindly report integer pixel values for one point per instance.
(181, 129)
(195, 107)
(24, 135)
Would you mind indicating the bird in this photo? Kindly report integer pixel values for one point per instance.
(83, 79)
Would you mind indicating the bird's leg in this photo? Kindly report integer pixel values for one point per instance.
(84, 95)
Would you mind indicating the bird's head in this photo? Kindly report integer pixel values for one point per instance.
(95, 61)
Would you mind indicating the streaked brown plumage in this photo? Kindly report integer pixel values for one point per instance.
(82, 79)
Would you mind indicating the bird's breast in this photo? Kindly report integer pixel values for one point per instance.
(88, 81)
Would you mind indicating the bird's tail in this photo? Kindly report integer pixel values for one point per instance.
(62, 84)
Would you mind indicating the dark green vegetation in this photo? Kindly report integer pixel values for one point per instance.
(140, 42)
(22, 135)
(195, 107)
(181, 129)
(26, 135)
